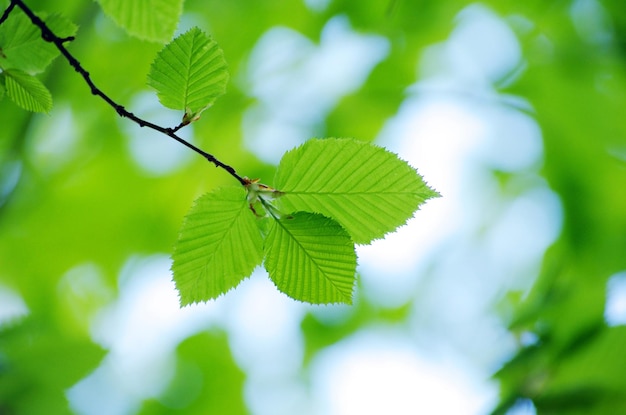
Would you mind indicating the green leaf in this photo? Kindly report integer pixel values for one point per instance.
(311, 258)
(153, 20)
(366, 188)
(27, 91)
(219, 245)
(60, 26)
(23, 48)
(189, 74)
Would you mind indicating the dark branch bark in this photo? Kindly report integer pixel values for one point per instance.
(6, 13)
(49, 36)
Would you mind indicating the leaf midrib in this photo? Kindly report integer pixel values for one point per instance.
(311, 258)
(287, 192)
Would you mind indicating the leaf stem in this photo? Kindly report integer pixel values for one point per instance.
(49, 36)
(270, 208)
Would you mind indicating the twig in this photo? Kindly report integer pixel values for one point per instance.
(7, 12)
(49, 36)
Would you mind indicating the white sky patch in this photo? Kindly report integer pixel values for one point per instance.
(297, 82)
(381, 372)
(615, 309)
(481, 50)
(512, 141)
(154, 152)
(482, 45)
(141, 330)
(12, 306)
(261, 321)
(436, 137)
(263, 328)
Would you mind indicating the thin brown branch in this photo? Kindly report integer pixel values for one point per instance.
(49, 36)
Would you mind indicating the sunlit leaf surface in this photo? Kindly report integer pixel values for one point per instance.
(219, 245)
(190, 73)
(27, 91)
(367, 189)
(311, 258)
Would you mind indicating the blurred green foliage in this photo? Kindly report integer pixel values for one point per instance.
(72, 195)
(206, 380)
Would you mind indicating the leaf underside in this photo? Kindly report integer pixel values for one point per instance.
(219, 245)
(367, 189)
(311, 258)
(190, 73)
(27, 91)
(153, 20)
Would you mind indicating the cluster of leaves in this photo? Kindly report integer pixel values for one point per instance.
(333, 193)
(329, 193)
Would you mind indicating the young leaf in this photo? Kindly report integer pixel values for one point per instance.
(153, 20)
(219, 245)
(311, 258)
(367, 189)
(22, 46)
(27, 91)
(189, 74)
